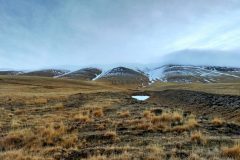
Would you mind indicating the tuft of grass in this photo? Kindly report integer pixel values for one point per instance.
(82, 118)
(110, 134)
(176, 116)
(17, 138)
(155, 151)
(217, 121)
(231, 152)
(98, 112)
(155, 119)
(15, 123)
(192, 122)
(166, 117)
(144, 126)
(197, 137)
(124, 114)
(52, 133)
(194, 156)
(147, 114)
(20, 155)
(180, 129)
(70, 140)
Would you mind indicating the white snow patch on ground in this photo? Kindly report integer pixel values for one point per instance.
(140, 98)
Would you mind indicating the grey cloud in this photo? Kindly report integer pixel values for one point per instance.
(41, 33)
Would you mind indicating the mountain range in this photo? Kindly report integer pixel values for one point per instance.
(143, 76)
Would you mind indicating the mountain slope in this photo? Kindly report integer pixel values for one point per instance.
(123, 75)
(188, 74)
(46, 73)
(10, 72)
(83, 74)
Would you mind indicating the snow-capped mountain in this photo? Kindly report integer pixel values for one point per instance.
(142, 76)
(188, 74)
(123, 75)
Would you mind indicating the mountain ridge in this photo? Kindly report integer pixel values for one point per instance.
(139, 75)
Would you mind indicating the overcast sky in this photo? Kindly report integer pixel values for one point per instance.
(41, 33)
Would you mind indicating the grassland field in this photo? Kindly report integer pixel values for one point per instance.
(60, 119)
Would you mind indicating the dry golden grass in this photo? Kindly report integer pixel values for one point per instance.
(58, 106)
(124, 114)
(98, 112)
(17, 138)
(217, 121)
(194, 156)
(70, 140)
(144, 126)
(217, 88)
(165, 117)
(192, 122)
(85, 118)
(52, 132)
(155, 152)
(15, 123)
(156, 149)
(176, 116)
(37, 101)
(20, 155)
(198, 137)
(47, 128)
(97, 157)
(110, 134)
(123, 156)
(188, 124)
(147, 114)
(101, 127)
(164, 122)
(232, 152)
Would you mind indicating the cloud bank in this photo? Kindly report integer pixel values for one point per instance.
(38, 34)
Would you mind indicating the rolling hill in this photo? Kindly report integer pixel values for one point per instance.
(46, 73)
(123, 75)
(82, 74)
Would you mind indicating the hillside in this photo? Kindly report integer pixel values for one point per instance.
(123, 75)
(46, 73)
(190, 74)
(141, 77)
(82, 74)
(10, 72)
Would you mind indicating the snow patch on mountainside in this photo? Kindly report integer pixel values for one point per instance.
(188, 74)
(99, 75)
(156, 74)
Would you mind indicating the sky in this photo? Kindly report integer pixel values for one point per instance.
(43, 33)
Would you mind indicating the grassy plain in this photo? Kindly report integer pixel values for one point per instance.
(45, 118)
